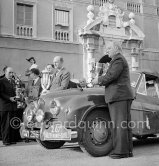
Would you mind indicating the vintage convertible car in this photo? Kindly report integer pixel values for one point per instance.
(81, 115)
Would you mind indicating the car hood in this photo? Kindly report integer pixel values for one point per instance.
(73, 92)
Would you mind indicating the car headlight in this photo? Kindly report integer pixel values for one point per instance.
(39, 115)
(29, 116)
(41, 103)
(55, 107)
(30, 111)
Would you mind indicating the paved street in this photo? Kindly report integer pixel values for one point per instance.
(23, 154)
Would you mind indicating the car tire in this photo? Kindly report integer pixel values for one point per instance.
(51, 144)
(96, 140)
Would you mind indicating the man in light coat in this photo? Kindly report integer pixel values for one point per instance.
(61, 77)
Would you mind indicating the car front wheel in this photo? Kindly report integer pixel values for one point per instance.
(96, 133)
(51, 144)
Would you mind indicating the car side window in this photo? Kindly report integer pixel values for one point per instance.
(142, 87)
(134, 78)
(157, 86)
(152, 88)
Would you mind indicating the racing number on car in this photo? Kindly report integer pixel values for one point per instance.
(56, 128)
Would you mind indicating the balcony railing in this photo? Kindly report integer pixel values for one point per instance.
(134, 7)
(61, 35)
(99, 2)
(24, 31)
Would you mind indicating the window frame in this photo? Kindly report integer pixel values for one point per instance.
(70, 26)
(68, 17)
(128, 7)
(34, 24)
(24, 18)
(137, 81)
(143, 77)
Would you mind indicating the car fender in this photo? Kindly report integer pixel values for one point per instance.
(79, 107)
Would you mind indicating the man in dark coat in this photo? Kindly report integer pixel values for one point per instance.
(8, 106)
(119, 96)
(2, 76)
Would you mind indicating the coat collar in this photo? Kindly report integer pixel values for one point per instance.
(115, 57)
(58, 72)
(6, 79)
(36, 80)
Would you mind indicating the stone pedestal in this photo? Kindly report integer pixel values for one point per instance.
(90, 44)
(134, 45)
(134, 61)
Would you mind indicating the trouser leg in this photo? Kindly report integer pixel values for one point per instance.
(13, 126)
(0, 128)
(130, 135)
(5, 126)
(17, 117)
(121, 133)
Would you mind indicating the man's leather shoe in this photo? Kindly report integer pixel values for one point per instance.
(119, 156)
(131, 154)
(6, 143)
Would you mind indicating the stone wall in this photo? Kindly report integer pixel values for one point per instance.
(13, 52)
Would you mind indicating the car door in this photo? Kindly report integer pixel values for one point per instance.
(148, 114)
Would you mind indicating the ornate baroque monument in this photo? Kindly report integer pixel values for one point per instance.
(105, 26)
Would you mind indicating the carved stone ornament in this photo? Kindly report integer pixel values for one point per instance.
(107, 24)
(109, 21)
(109, 9)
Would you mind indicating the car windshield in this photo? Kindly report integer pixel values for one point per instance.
(134, 78)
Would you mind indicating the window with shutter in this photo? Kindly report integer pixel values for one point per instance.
(99, 2)
(24, 20)
(112, 21)
(61, 17)
(61, 32)
(134, 7)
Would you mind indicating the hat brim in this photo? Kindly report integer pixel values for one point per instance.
(30, 59)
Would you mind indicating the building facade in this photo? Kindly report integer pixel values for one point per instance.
(77, 30)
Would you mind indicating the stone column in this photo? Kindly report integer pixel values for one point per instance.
(135, 52)
(90, 63)
(134, 60)
(90, 43)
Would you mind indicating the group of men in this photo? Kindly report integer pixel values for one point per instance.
(118, 96)
(8, 103)
(57, 73)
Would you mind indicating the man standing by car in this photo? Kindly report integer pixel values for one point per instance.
(119, 96)
(8, 106)
(34, 88)
(61, 76)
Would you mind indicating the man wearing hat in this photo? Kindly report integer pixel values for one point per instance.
(32, 61)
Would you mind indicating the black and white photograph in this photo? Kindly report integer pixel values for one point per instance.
(79, 82)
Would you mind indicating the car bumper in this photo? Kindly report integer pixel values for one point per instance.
(28, 132)
(51, 134)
